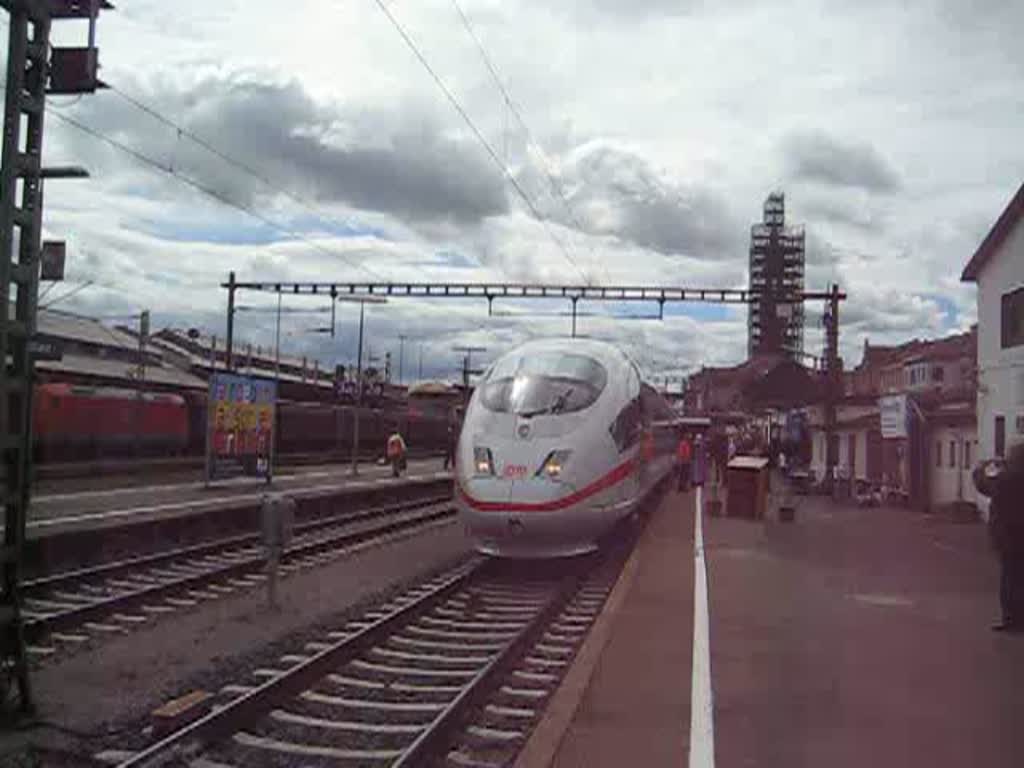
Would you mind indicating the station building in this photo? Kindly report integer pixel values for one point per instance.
(94, 354)
(997, 267)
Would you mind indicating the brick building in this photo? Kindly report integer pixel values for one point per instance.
(932, 385)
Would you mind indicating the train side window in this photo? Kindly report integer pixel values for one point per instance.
(625, 430)
(649, 403)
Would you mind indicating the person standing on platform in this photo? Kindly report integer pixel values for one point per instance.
(396, 453)
(452, 439)
(1006, 522)
(699, 461)
(685, 455)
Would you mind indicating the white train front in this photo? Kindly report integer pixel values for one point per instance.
(561, 440)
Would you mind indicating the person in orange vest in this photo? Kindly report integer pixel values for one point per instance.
(685, 455)
(396, 453)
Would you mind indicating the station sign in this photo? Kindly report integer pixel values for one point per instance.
(893, 415)
(240, 426)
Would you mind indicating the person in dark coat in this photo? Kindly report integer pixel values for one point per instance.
(451, 439)
(684, 455)
(1006, 523)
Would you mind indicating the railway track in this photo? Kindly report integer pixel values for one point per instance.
(70, 608)
(452, 672)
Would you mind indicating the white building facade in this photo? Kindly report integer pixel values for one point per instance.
(998, 269)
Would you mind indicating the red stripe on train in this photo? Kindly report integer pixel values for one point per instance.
(617, 475)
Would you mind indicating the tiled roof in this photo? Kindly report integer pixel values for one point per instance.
(200, 349)
(88, 365)
(948, 348)
(65, 325)
(1007, 220)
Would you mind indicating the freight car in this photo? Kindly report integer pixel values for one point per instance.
(73, 422)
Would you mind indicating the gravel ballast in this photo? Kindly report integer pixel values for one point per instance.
(115, 685)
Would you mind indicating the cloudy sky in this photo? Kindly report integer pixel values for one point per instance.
(644, 134)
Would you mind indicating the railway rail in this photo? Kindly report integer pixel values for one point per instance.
(67, 608)
(453, 671)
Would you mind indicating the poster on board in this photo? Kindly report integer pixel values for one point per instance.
(240, 426)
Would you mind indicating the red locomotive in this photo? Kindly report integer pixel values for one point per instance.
(74, 421)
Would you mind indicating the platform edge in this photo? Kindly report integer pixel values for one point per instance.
(547, 736)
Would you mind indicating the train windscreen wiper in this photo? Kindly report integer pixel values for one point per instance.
(557, 405)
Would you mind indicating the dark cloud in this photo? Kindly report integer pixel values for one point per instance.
(820, 158)
(400, 164)
(616, 192)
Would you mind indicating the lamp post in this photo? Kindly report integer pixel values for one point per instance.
(362, 301)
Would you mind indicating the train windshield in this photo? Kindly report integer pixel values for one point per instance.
(549, 382)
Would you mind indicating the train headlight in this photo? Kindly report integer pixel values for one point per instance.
(554, 464)
(483, 462)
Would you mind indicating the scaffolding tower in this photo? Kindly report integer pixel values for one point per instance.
(775, 322)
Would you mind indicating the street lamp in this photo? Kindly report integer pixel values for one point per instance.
(362, 301)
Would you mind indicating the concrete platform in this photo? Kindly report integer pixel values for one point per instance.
(860, 637)
(626, 701)
(849, 637)
(61, 512)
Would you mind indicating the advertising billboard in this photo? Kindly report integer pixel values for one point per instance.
(893, 413)
(240, 426)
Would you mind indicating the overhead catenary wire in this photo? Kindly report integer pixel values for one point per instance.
(457, 106)
(184, 132)
(554, 183)
(221, 198)
(204, 189)
(67, 295)
(46, 291)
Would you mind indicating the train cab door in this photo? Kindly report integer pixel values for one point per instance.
(646, 453)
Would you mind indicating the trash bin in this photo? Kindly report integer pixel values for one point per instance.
(748, 487)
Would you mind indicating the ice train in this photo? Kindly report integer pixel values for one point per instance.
(561, 440)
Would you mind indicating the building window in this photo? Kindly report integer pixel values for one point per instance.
(1013, 319)
(938, 373)
(967, 454)
(952, 454)
(1000, 436)
(938, 453)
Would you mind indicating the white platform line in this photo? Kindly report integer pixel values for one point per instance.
(702, 726)
(212, 502)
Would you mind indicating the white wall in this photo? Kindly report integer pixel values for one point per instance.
(1000, 371)
(860, 455)
(861, 449)
(950, 484)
